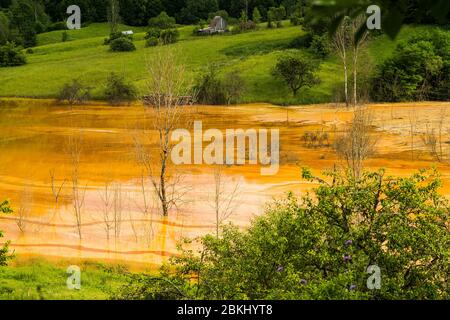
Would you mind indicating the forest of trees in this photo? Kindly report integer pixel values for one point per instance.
(137, 12)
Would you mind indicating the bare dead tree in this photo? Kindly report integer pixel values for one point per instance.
(356, 143)
(442, 116)
(56, 191)
(107, 203)
(412, 131)
(24, 210)
(431, 141)
(74, 147)
(146, 210)
(117, 210)
(224, 200)
(357, 44)
(166, 106)
(340, 42)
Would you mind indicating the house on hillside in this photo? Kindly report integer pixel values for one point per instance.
(217, 25)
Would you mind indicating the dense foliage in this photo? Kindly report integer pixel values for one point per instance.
(11, 55)
(216, 90)
(122, 44)
(118, 90)
(418, 70)
(4, 256)
(321, 247)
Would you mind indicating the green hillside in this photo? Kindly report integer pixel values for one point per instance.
(253, 54)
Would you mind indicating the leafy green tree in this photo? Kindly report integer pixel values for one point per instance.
(418, 69)
(256, 16)
(5, 33)
(321, 247)
(23, 19)
(276, 15)
(297, 71)
(162, 21)
(4, 255)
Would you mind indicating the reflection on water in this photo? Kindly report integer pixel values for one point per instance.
(36, 173)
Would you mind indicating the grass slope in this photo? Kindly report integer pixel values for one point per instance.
(253, 54)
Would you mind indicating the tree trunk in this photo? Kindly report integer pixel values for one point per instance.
(355, 66)
(346, 82)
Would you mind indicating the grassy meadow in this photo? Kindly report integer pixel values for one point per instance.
(254, 54)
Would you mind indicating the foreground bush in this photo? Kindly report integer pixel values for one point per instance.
(119, 91)
(10, 56)
(321, 247)
(4, 255)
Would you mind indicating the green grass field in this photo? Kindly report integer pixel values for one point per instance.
(37, 279)
(254, 54)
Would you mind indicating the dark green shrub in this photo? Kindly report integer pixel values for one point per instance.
(244, 26)
(152, 42)
(303, 41)
(64, 36)
(4, 250)
(210, 88)
(153, 33)
(74, 92)
(119, 91)
(233, 87)
(122, 45)
(116, 35)
(10, 55)
(169, 36)
(320, 46)
(60, 25)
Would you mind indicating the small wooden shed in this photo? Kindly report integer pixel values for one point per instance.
(217, 25)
